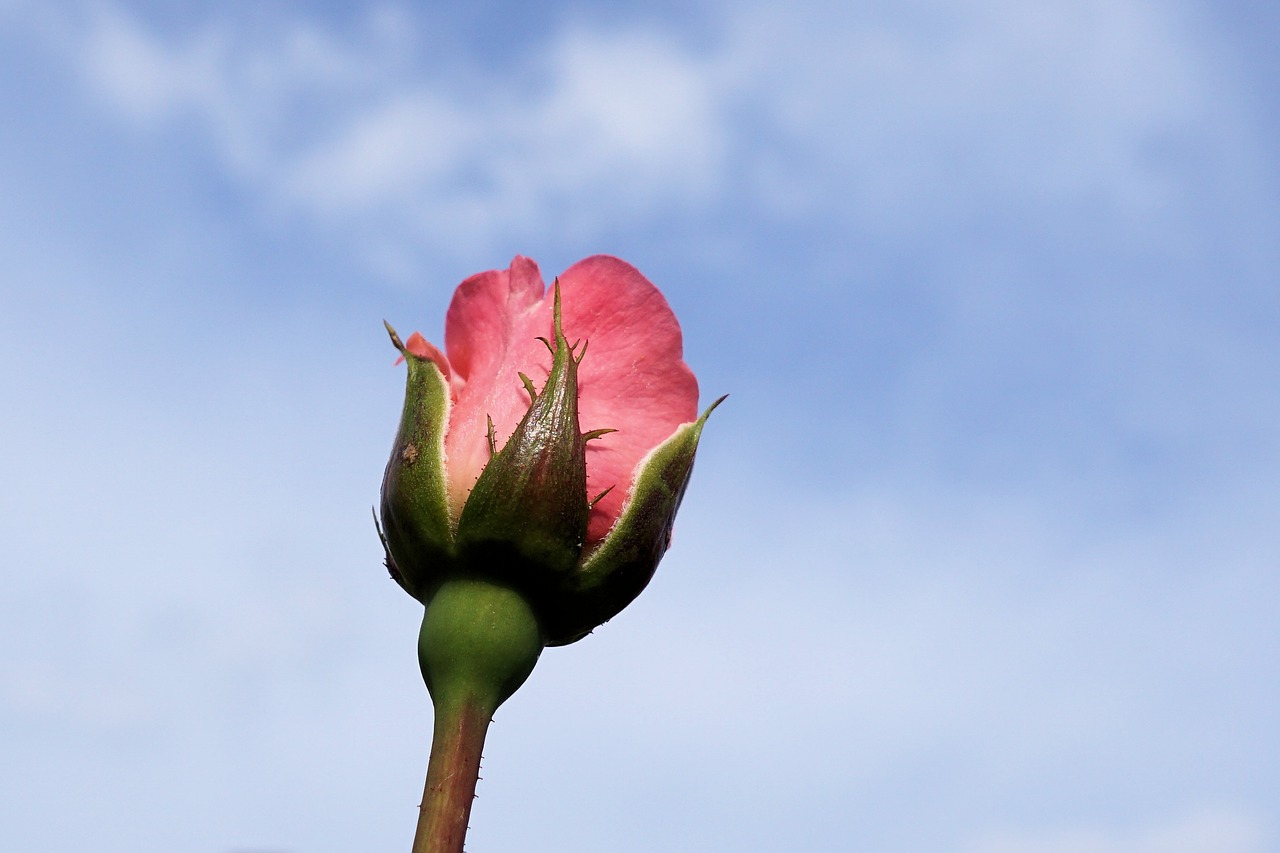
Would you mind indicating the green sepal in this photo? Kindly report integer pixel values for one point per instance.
(526, 517)
(416, 531)
(621, 565)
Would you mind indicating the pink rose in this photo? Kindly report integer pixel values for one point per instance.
(549, 447)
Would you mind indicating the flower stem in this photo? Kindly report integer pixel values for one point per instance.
(479, 642)
(452, 774)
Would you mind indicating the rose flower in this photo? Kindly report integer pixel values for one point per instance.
(548, 447)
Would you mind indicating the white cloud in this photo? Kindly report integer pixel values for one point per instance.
(1207, 831)
(611, 126)
(622, 122)
(923, 111)
(888, 117)
(396, 149)
(254, 96)
(145, 78)
(634, 105)
(348, 130)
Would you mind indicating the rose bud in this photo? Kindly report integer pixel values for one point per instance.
(493, 475)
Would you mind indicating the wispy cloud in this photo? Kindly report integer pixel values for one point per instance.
(881, 121)
(348, 130)
(934, 115)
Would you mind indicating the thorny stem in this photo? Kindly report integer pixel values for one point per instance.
(452, 774)
(479, 642)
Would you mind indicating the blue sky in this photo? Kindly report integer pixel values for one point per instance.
(980, 556)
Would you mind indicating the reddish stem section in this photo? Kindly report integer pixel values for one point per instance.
(452, 773)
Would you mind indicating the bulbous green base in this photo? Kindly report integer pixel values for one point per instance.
(479, 641)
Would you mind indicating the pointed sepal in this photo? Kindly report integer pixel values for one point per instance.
(621, 565)
(416, 529)
(526, 516)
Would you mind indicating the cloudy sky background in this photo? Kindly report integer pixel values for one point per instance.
(980, 556)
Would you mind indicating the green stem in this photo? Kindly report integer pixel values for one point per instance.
(452, 773)
(479, 642)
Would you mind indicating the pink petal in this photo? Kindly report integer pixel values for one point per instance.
(421, 347)
(633, 378)
(491, 335)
